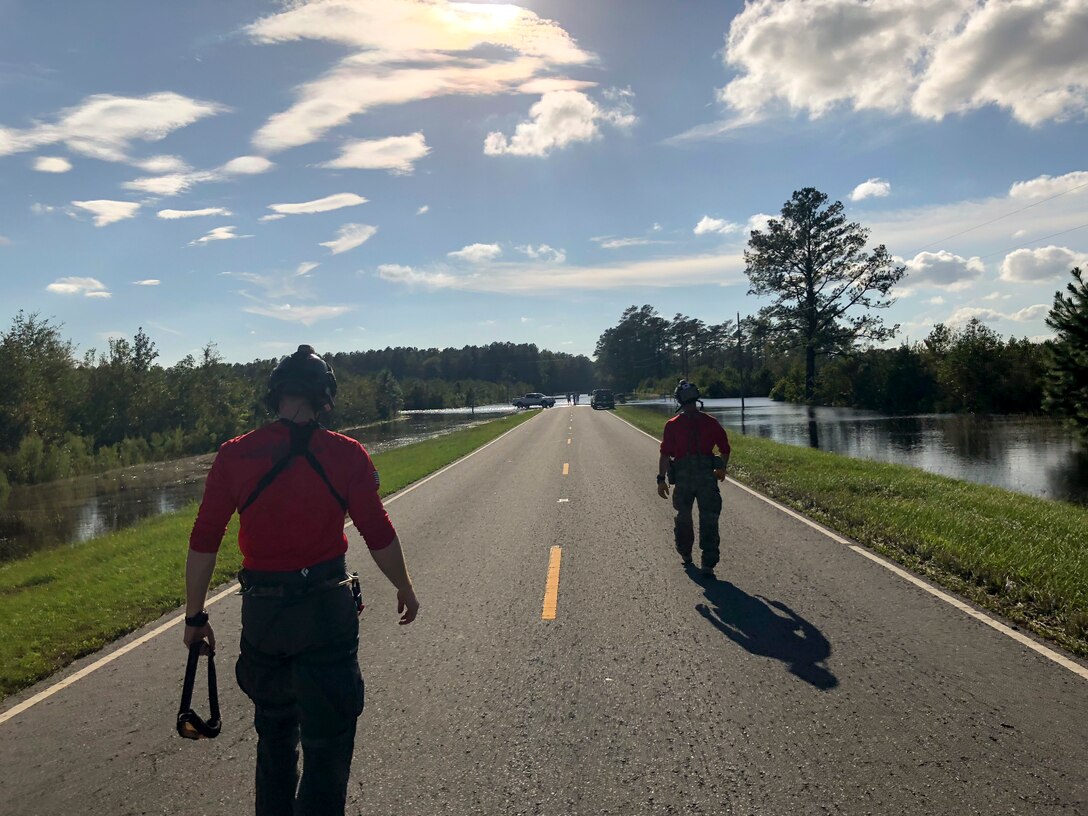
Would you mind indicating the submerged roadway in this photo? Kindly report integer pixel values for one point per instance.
(564, 662)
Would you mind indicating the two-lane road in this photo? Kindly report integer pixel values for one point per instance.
(565, 663)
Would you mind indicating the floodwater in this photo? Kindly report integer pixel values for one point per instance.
(70, 511)
(1033, 455)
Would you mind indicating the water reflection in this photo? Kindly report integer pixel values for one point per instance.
(70, 511)
(1034, 455)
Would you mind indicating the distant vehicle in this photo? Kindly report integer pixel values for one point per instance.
(534, 400)
(602, 398)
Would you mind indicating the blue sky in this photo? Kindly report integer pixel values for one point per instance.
(363, 173)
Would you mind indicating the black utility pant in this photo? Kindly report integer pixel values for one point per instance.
(696, 482)
(299, 664)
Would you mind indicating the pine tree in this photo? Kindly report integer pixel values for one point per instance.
(1065, 389)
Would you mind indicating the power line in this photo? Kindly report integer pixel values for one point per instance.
(1034, 241)
(1000, 217)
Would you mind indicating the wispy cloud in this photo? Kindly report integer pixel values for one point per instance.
(397, 154)
(350, 236)
(408, 51)
(148, 282)
(88, 287)
(319, 205)
(218, 234)
(543, 252)
(171, 215)
(106, 211)
(423, 210)
(306, 315)
(183, 178)
(105, 126)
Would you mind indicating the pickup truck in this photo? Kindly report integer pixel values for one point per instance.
(530, 400)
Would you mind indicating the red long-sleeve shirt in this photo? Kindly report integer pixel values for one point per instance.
(296, 522)
(679, 440)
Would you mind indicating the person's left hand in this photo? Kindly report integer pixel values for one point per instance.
(663, 490)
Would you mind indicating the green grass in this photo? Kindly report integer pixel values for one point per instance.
(59, 605)
(1023, 557)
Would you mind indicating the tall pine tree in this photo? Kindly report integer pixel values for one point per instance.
(1065, 389)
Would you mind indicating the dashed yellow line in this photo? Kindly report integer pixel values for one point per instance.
(566, 468)
(568, 440)
(551, 587)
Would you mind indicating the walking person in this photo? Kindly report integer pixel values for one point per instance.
(687, 461)
(292, 482)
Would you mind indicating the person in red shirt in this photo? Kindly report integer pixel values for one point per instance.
(687, 458)
(292, 482)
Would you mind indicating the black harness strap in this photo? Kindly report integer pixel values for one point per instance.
(198, 727)
(300, 446)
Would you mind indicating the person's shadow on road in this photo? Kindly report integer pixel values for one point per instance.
(767, 628)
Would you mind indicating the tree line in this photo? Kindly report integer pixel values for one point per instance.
(63, 415)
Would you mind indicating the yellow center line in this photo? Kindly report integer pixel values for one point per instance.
(568, 440)
(566, 468)
(551, 588)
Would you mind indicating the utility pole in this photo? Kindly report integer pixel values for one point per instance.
(743, 373)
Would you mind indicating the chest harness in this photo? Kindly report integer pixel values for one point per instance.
(300, 446)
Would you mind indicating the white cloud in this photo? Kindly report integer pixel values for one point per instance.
(930, 58)
(306, 315)
(171, 184)
(1029, 313)
(943, 270)
(246, 166)
(405, 52)
(477, 253)
(52, 164)
(326, 204)
(1040, 264)
(1046, 186)
(99, 295)
(148, 282)
(720, 226)
(996, 296)
(41, 209)
(162, 164)
(171, 215)
(218, 234)
(305, 268)
(543, 253)
(104, 126)
(873, 188)
(936, 301)
(106, 211)
(759, 221)
(612, 242)
(273, 217)
(397, 154)
(88, 287)
(723, 269)
(350, 236)
(559, 119)
(423, 210)
(966, 313)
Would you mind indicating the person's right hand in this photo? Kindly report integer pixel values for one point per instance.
(196, 634)
(407, 605)
(663, 490)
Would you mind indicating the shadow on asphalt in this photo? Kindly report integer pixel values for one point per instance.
(767, 628)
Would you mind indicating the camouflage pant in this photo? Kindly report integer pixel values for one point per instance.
(704, 489)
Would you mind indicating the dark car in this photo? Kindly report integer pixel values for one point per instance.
(602, 398)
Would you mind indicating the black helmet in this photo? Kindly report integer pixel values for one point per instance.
(302, 374)
(686, 392)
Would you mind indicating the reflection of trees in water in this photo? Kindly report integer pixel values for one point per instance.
(906, 434)
(971, 437)
(1068, 480)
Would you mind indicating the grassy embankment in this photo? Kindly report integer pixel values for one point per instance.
(59, 605)
(1023, 557)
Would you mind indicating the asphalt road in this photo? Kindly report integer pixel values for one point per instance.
(807, 679)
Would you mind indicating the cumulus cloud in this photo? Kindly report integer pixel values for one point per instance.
(105, 126)
(397, 154)
(1028, 313)
(557, 120)
(477, 253)
(543, 253)
(719, 226)
(432, 279)
(928, 58)
(246, 166)
(319, 205)
(873, 188)
(965, 314)
(148, 282)
(88, 287)
(943, 270)
(171, 215)
(108, 212)
(218, 234)
(350, 236)
(1040, 264)
(406, 51)
(1047, 186)
(52, 164)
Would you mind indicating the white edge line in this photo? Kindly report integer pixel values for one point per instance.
(170, 624)
(1019, 637)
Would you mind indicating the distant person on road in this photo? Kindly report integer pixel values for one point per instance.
(688, 462)
(292, 482)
